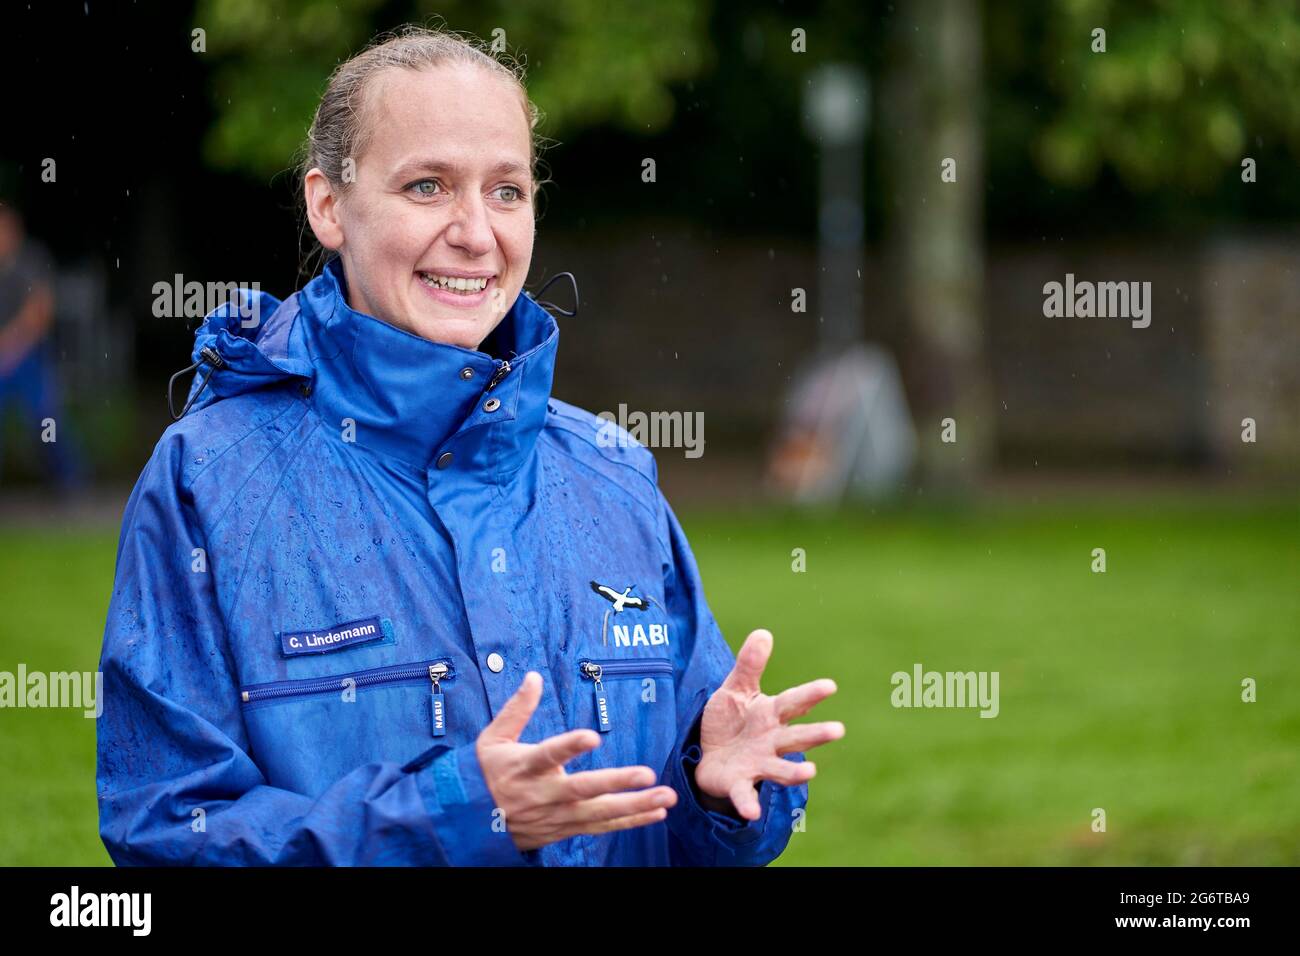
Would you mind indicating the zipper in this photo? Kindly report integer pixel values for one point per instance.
(597, 670)
(502, 371)
(435, 672)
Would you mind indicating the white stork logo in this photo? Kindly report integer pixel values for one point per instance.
(620, 602)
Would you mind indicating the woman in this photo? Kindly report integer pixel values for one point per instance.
(380, 598)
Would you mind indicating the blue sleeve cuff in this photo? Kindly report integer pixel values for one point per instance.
(468, 824)
(711, 838)
(734, 831)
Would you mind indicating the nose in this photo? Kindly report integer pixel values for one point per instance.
(470, 228)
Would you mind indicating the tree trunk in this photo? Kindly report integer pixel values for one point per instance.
(931, 102)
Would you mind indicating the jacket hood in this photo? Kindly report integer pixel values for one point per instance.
(379, 386)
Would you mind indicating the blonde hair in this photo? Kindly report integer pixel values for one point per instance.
(340, 130)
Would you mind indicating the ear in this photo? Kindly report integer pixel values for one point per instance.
(322, 210)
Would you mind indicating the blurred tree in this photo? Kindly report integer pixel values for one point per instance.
(1174, 101)
(586, 64)
(1184, 90)
(933, 140)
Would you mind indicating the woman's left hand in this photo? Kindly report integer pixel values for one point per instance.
(744, 732)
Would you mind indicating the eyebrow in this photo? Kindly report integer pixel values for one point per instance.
(432, 165)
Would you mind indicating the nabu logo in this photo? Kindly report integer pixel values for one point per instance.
(639, 636)
(629, 635)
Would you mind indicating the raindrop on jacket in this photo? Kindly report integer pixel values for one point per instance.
(338, 566)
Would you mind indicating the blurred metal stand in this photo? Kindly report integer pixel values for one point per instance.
(95, 347)
(846, 429)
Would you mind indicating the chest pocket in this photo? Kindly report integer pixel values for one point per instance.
(631, 702)
(319, 728)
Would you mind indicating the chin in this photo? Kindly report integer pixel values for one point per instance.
(466, 333)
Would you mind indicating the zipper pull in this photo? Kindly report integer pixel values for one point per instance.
(438, 709)
(593, 672)
(502, 371)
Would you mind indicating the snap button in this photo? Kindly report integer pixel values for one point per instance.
(492, 404)
(467, 373)
(495, 662)
(444, 459)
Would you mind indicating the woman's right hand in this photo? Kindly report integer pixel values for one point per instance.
(542, 803)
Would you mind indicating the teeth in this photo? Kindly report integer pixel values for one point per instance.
(454, 284)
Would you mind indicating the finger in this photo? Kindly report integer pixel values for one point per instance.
(615, 805)
(745, 799)
(789, 773)
(798, 737)
(750, 662)
(514, 715)
(592, 783)
(558, 750)
(625, 823)
(797, 701)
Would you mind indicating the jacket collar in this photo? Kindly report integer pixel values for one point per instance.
(411, 399)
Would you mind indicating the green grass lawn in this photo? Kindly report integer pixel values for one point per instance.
(1119, 690)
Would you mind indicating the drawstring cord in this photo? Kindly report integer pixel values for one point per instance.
(550, 305)
(206, 354)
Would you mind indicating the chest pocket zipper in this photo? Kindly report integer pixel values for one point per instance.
(435, 672)
(597, 671)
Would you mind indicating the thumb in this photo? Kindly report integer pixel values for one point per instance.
(745, 800)
(513, 717)
(750, 662)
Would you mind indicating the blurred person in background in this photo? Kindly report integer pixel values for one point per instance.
(28, 377)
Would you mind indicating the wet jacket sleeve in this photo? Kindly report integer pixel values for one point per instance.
(176, 782)
(700, 837)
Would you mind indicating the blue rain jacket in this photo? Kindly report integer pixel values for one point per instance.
(339, 565)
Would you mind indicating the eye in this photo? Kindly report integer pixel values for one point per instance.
(518, 194)
(418, 187)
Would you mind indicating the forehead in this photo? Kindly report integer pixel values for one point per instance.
(460, 113)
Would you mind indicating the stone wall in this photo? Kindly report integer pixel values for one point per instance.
(677, 319)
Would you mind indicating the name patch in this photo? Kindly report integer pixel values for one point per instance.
(336, 637)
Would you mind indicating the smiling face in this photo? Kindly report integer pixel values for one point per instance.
(436, 232)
